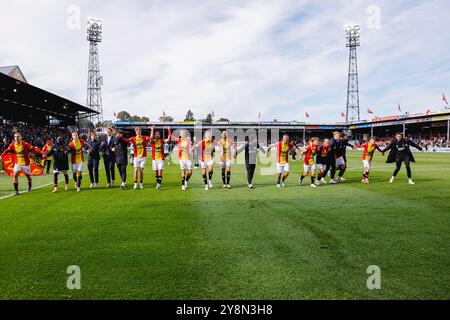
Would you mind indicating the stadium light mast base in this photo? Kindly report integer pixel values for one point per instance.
(352, 37)
(95, 80)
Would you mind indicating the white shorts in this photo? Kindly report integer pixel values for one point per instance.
(139, 162)
(206, 164)
(185, 164)
(17, 168)
(282, 167)
(367, 164)
(225, 164)
(158, 165)
(77, 166)
(321, 166)
(309, 167)
(340, 161)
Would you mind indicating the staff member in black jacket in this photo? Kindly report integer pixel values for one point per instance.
(120, 148)
(109, 157)
(344, 144)
(94, 159)
(400, 152)
(250, 148)
(324, 159)
(335, 154)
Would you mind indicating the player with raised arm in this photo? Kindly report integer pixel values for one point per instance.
(309, 162)
(368, 153)
(206, 147)
(22, 162)
(283, 147)
(139, 143)
(184, 146)
(158, 154)
(226, 156)
(400, 152)
(76, 147)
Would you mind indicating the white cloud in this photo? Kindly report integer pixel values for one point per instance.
(236, 57)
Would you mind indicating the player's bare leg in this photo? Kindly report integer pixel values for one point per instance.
(79, 179)
(283, 180)
(16, 183)
(141, 178)
(210, 176)
(136, 171)
(228, 171)
(205, 179)
(313, 178)
(188, 176)
(224, 178)
(183, 179)
(342, 169)
(279, 180)
(303, 176)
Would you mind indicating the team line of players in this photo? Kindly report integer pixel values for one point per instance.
(319, 159)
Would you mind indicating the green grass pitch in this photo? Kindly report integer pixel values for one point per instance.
(266, 243)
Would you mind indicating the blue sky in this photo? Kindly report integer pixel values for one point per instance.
(237, 58)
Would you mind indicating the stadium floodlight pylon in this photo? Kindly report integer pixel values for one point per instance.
(352, 41)
(95, 80)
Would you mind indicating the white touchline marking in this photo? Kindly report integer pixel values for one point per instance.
(35, 188)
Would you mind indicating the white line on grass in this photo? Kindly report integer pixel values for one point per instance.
(39, 187)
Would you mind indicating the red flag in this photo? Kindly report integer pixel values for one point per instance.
(8, 165)
(115, 115)
(399, 108)
(212, 113)
(164, 113)
(369, 111)
(342, 115)
(428, 112)
(307, 114)
(444, 98)
(259, 115)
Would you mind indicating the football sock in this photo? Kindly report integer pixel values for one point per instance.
(312, 179)
(223, 177)
(210, 175)
(66, 178)
(16, 186)
(205, 180)
(55, 179)
(228, 177)
(182, 181)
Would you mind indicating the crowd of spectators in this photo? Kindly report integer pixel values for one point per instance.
(36, 136)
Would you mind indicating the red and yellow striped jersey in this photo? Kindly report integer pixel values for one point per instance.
(369, 150)
(311, 151)
(158, 149)
(47, 149)
(226, 147)
(76, 149)
(283, 151)
(139, 145)
(206, 147)
(22, 152)
(184, 148)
